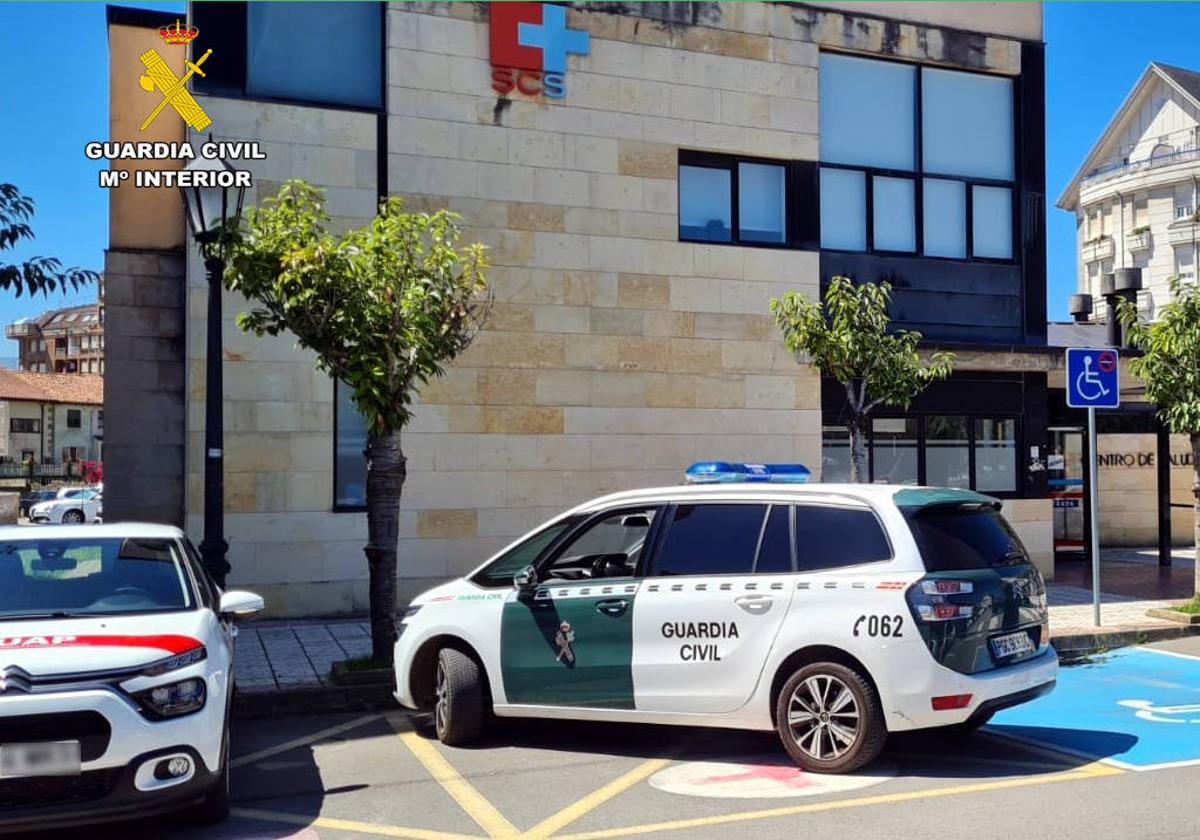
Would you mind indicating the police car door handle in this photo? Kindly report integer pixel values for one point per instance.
(755, 604)
(613, 607)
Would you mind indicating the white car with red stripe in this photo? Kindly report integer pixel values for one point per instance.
(116, 676)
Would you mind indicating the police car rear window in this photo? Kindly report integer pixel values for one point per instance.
(833, 537)
(958, 537)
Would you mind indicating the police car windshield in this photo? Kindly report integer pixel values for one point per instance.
(957, 537)
(79, 577)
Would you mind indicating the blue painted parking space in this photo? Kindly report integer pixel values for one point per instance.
(1136, 708)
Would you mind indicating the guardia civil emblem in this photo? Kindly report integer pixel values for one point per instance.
(564, 638)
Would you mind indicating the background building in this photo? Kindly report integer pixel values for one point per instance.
(53, 418)
(67, 340)
(704, 158)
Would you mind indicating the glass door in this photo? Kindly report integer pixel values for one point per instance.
(1065, 477)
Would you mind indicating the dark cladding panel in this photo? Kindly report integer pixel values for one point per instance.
(1031, 125)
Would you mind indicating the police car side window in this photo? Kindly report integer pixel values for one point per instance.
(711, 539)
(775, 548)
(608, 546)
(501, 570)
(830, 537)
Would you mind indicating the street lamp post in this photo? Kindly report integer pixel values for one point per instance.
(211, 211)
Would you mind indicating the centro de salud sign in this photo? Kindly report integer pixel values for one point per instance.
(529, 43)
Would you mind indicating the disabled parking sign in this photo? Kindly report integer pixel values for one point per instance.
(1092, 377)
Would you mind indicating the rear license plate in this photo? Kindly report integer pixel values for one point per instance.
(50, 758)
(1014, 644)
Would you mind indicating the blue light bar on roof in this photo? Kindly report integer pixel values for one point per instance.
(724, 472)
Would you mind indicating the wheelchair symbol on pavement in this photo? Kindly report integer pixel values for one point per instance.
(1164, 714)
(1092, 378)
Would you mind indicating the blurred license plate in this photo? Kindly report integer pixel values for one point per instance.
(1013, 644)
(50, 758)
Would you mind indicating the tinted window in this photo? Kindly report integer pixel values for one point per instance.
(775, 551)
(711, 539)
(833, 537)
(501, 570)
(955, 538)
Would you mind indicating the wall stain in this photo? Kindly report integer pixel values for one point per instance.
(502, 105)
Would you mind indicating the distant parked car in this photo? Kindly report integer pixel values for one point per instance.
(82, 506)
(33, 497)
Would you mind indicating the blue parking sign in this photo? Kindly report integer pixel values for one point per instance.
(1092, 377)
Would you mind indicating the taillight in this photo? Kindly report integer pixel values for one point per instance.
(949, 702)
(930, 599)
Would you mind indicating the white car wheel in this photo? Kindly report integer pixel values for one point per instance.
(72, 517)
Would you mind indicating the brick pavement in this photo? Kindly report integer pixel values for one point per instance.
(296, 654)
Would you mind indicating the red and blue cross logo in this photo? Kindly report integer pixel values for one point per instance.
(529, 47)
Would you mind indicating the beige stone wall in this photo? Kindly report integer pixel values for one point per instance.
(1129, 490)
(1033, 520)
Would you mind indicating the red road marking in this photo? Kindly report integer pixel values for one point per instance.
(789, 776)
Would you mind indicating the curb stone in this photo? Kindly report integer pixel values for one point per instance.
(311, 700)
(1075, 646)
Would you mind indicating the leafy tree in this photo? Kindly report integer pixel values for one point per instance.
(384, 307)
(847, 338)
(39, 274)
(1170, 367)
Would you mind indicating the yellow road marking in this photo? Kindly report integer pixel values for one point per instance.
(347, 825)
(461, 791)
(1085, 772)
(303, 742)
(595, 799)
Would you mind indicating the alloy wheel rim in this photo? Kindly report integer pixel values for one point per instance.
(442, 700)
(823, 717)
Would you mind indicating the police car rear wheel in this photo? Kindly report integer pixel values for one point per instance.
(458, 708)
(830, 719)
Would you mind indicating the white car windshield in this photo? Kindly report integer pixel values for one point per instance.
(96, 576)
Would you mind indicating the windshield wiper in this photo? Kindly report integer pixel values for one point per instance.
(57, 614)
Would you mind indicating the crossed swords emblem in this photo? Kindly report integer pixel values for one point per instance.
(174, 91)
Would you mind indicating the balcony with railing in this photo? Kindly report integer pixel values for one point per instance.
(1185, 154)
(1100, 248)
(1138, 240)
(20, 330)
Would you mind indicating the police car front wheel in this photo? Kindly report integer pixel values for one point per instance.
(830, 719)
(458, 709)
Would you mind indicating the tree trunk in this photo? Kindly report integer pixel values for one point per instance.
(386, 472)
(1196, 507)
(859, 474)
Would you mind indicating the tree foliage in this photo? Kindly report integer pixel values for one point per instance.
(848, 337)
(1170, 360)
(384, 306)
(37, 274)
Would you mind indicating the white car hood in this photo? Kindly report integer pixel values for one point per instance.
(67, 646)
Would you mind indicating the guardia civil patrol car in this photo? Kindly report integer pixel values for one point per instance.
(116, 676)
(833, 614)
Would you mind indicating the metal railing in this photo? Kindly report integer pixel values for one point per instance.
(1116, 170)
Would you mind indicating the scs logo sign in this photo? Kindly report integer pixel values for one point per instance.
(529, 46)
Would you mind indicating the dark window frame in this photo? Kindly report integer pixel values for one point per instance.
(919, 174)
(35, 426)
(338, 507)
(792, 238)
(232, 21)
(77, 415)
(1018, 440)
(762, 535)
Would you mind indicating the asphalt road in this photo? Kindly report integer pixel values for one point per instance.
(336, 777)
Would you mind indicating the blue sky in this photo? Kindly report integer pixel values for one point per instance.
(1095, 53)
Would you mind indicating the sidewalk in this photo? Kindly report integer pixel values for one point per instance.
(284, 655)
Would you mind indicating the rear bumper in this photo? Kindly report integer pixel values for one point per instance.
(99, 795)
(990, 691)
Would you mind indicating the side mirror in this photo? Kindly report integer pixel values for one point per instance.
(526, 578)
(239, 604)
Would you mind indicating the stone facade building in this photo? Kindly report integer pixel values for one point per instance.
(67, 340)
(702, 159)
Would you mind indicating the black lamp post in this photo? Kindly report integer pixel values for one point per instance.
(210, 211)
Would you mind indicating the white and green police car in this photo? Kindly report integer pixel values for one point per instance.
(833, 614)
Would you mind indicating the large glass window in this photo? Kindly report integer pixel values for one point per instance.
(894, 449)
(711, 539)
(843, 209)
(947, 452)
(996, 455)
(728, 199)
(350, 462)
(705, 204)
(967, 124)
(833, 537)
(761, 202)
(835, 454)
(315, 52)
(866, 112)
(869, 130)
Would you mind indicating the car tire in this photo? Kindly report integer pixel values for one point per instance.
(73, 517)
(459, 707)
(215, 806)
(829, 718)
